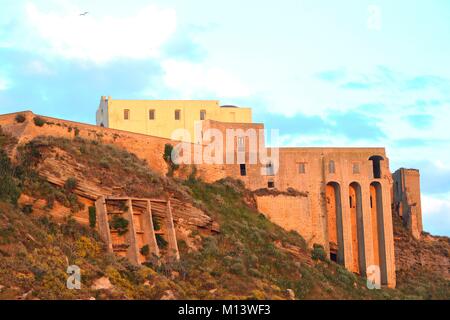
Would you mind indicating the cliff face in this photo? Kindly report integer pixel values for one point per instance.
(423, 266)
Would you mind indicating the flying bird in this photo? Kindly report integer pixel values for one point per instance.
(83, 14)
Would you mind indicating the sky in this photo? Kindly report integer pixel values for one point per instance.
(326, 73)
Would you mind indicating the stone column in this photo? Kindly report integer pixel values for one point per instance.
(388, 235)
(347, 227)
(367, 220)
(171, 236)
(149, 230)
(133, 250)
(102, 222)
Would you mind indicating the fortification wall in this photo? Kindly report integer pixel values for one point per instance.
(407, 202)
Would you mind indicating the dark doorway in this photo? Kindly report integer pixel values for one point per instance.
(243, 169)
(376, 166)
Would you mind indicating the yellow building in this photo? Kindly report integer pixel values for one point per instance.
(161, 117)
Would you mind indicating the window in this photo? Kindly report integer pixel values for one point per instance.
(302, 167)
(241, 143)
(270, 184)
(151, 114)
(202, 114)
(376, 166)
(126, 114)
(269, 169)
(356, 167)
(331, 167)
(350, 199)
(177, 114)
(243, 169)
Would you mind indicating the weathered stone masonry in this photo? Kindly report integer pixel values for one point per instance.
(343, 200)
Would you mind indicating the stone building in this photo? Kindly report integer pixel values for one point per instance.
(161, 118)
(341, 198)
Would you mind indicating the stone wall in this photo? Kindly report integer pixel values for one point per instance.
(406, 198)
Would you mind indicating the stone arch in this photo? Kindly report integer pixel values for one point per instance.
(376, 166)
(357, 228)
(377, 219)
(334, 222)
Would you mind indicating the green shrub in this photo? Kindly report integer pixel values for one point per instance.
(104, 163)
(120, 224)
(38, 121)
(318, 252)
(167, 156)
(92, 217)
(145, 250)
(237, 268)
(70, 184)
(20, 118)
(156, 224)
(9, 189)
(162, 243)
(27, 209)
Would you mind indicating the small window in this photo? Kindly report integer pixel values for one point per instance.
(269, 169)
(302, 168)
(202, 114)
(356, 167)
(126, 114)
(243, 169)
(241, 143)
(270, 184)
(151, 114)
(177, 114)
(331, 167)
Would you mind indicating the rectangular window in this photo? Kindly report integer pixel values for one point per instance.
(202, 114)
(331, 167)
(356, 167)
(269, 169)
(177, 114)
(151, 114)
(302, 167)
(126, 114)
(241, 143)
(270, 184)
(243, 169)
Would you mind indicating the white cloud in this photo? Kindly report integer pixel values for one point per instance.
(191, 79)
(4, 84)
(38, 67)
(99, 37)
(436, 215)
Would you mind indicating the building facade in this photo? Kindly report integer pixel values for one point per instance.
(341, 198)
(161, 118)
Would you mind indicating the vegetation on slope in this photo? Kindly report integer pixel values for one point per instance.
(250, 257)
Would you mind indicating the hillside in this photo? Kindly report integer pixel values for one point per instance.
(42, 231)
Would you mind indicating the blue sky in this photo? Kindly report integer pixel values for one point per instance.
(341, 73)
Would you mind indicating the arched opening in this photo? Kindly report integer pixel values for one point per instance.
(379, 248)
(334, 222)
(357, 228)
(376, 166)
